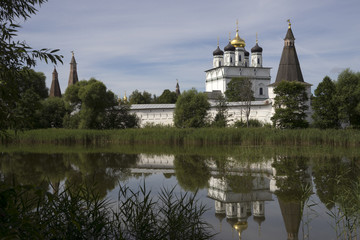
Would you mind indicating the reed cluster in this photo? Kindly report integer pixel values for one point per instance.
(28, 212)
(190, 136)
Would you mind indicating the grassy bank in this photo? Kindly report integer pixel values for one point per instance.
(203, 136)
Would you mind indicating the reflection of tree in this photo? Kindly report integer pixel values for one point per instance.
(102, 171)
(338, 187)
(240, 184)
(294, 188)
(191, 171)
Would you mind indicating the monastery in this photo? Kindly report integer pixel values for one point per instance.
(234, 61)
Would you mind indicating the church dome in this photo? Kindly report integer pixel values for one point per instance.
(218, 52)
(238, 41)
(246, 53)
(257, 49)
(229, 47)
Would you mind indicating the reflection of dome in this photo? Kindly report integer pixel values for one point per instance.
(240, 227)
(220, 216)
(232, 221)
(259, 219)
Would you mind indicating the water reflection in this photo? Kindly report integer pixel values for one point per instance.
(240, 188)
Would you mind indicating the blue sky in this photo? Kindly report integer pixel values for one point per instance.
(147, 45)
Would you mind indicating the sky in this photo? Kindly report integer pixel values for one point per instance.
(148, 45)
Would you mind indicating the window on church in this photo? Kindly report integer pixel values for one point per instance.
(230, 59)
(261, 92)
(258, 60)
(219, 64)
(239, 58)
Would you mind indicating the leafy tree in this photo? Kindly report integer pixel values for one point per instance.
(325, 105)
(15, 55)
(137, 97)
(348, 92)
(167, 97)
(239, 90)
(191, 109)
(88, 102)
(290, 105)
(120, 118)
(52, 113)
(31, 89)
(220, 119)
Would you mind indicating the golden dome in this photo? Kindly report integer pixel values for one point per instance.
(238, 41)
(125, 98)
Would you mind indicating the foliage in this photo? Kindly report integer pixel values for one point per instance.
(348, 92)
(137, 97)
(290, 105)
(167, 97)
(24, 107)
(325, 105)
(191, 109)
(15, 55)
(81, 214)
(88, 102)
(240, 90)
(52, 113)
(191, 171)
(220, 119)
(250, 123)
(119, 118)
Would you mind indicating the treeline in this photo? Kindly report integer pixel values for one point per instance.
(337, 103)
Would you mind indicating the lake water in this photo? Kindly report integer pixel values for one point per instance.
(250, 193)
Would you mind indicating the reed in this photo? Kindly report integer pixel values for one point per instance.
(183, 137)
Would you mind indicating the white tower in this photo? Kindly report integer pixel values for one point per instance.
(256, 55)
(218, 60)
(229, 54)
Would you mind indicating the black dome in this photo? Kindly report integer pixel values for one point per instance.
(246, 53)
(229, 47)
(218, 52)
(256, 49)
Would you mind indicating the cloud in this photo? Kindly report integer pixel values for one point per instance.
(147, 45)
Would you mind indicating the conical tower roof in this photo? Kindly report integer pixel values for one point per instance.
(73, 77)
(55, 86)
(289, 67)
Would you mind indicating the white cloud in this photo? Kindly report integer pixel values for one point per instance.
(147, 45)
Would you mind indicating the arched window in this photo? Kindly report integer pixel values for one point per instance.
(239, 58)
(258, 60)
(230, 59)
(219, 63)
(261, 91)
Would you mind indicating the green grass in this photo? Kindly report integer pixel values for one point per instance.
(183, 137)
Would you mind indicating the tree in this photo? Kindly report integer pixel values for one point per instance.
(15, 55)
(167, 97)
(137, 97)
(52, 113)
(290, 105)
(191, 109)
(220, 119)
(325, 105)
(240, 90)
(88, 102)
(119, 117)
(30, 90)
(348, 92)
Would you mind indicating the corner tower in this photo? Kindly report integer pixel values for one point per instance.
(55, 86)
(289, 67)
(73, 77)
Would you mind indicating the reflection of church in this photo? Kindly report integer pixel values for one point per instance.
(238, 206)
(240, 191)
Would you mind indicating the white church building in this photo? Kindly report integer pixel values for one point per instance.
(235, 61)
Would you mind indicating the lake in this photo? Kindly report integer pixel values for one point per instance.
(250, 192)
